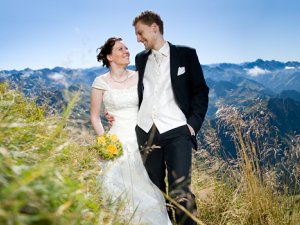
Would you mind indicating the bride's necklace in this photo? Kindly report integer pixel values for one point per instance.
(117, 81)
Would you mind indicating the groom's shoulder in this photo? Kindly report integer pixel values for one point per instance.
(184, 48)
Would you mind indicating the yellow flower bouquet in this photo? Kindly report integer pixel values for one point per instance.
(109, 146)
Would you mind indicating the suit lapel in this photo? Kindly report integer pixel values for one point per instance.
(173, 61)
(143, 63)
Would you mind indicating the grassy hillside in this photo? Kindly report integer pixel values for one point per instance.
(46, 177)
(248, 189)
(48, 174)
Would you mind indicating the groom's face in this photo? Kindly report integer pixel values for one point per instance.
(145, 34)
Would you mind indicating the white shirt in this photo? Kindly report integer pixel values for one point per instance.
(159, 105)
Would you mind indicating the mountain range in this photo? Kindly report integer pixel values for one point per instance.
(275, 83)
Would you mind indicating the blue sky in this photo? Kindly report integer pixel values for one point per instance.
(48, 33)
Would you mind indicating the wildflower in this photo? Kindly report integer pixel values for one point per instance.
(101, 140)
(114, 138)
(108, 146)
(112, 149)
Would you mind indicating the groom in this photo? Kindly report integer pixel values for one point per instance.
(173, 100)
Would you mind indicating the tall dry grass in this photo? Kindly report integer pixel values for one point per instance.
(244, 190)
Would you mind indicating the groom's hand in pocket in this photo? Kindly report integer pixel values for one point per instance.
(191, 130)
(109, 118)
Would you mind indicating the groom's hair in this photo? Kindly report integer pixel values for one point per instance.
(148, 18)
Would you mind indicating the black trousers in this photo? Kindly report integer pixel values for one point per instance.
(171, 157)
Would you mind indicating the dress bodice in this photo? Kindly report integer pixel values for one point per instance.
(122, 104)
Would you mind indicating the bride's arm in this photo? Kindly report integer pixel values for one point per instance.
(96, 105)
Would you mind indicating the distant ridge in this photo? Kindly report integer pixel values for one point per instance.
(275, 84)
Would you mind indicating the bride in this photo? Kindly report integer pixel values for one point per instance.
(124, 179)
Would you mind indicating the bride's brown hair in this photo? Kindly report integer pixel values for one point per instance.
(106, 49)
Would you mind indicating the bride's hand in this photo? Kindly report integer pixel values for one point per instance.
(109, 118)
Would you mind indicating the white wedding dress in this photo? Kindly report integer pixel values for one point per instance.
(125, 179)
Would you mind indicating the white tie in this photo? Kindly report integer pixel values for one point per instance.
(158, 58)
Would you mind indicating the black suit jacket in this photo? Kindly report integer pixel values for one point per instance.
(190, 89)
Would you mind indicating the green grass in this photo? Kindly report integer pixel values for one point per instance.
(45, 176)
(48, 175)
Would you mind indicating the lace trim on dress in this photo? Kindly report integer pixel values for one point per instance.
(104, 82)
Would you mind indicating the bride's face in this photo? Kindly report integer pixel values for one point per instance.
(120, 54)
